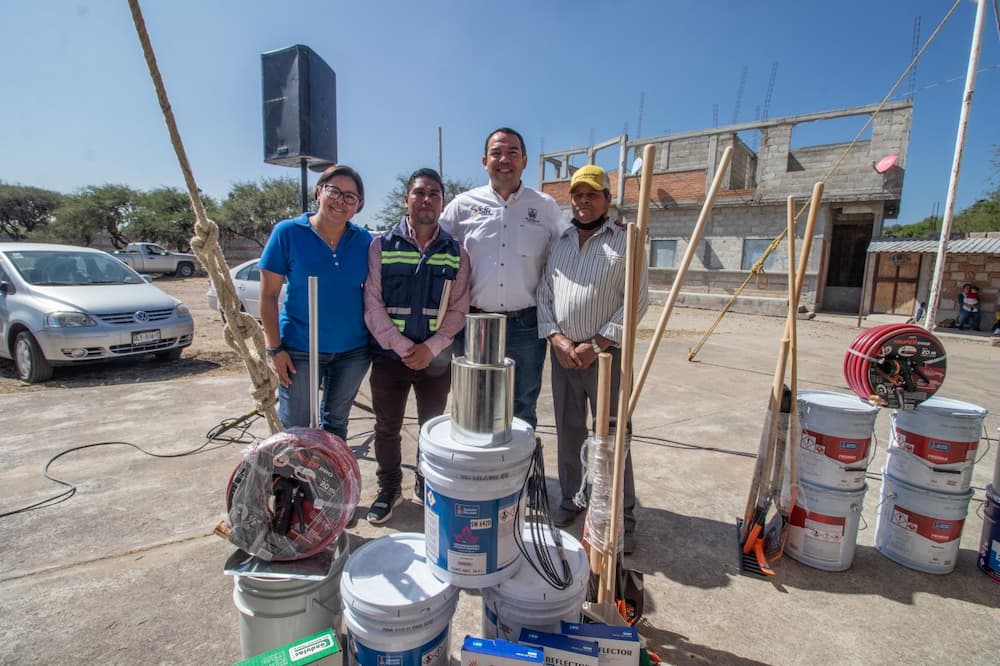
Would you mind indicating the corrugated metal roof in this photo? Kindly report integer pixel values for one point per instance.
(958, 246)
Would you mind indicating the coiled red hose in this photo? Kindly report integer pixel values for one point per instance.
(895, 365)
(293, 494)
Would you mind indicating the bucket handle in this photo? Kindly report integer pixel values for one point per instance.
(861, 517)
(989, 444)
(887, 497)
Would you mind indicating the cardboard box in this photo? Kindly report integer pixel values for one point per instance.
(321, 648)
(619, 645)
(562, 650)
(498, 652)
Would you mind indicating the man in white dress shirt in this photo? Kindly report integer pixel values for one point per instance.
(507, 229)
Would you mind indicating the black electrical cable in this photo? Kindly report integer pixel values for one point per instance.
(539, 524)
(241, 424)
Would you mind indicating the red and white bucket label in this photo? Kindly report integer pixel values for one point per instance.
(844, 451)
(936, 451)
(938, 530)
(818, 539)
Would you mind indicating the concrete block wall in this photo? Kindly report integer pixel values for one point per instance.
(716, 265)
(982, 270)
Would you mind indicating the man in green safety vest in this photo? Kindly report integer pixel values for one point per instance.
(416, 299)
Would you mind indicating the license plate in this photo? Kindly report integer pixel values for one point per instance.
(142, 337)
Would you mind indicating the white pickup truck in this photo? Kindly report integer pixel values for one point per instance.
(151, 258)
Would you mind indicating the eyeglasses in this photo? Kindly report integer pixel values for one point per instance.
(334, 192)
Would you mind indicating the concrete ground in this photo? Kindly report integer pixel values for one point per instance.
(127, 570)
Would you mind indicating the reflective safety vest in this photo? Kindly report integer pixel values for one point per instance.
(413, 282)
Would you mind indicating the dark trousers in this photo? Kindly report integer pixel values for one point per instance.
(390, 382)
(574, 401)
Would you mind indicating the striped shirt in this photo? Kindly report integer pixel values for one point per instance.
(582, 292)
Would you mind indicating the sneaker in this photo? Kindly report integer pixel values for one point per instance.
(564, 517)
(418, 490)
(381, 509)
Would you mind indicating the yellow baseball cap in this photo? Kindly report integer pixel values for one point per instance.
(591, 175)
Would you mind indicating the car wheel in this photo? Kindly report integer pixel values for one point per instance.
(184, 270)
(169, 355)
(32, 367)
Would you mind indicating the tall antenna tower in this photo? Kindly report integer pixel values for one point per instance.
(913, 56)
(739, 95)
(770, 90)
(642, 102)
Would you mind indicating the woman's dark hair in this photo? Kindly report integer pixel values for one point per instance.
(343, 170)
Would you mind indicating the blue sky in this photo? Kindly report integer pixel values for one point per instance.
(78, 107)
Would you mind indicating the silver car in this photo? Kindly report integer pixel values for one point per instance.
(246, 279)
(61, 304)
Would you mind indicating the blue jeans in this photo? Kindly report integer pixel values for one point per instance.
(528, 352)
(341, 375)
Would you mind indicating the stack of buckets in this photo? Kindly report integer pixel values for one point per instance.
(926, 484)
(835, 447)
(400, 591)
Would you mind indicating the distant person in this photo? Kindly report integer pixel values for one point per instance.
(968, 308)
(507, 228)
(410, 270)
(328, 245)
(581, 301)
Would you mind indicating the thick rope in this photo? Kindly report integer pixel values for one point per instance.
(758, 268)
(242, 332)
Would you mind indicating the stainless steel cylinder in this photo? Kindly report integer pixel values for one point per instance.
(485, 338)
(483, 404)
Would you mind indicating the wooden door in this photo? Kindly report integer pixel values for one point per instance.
(895, 288)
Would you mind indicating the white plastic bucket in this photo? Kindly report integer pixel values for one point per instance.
(528, 601)
(835, 443)
(471, 503)
(276, 611)
(919, 528)
(823, 526)
(395, 610)
(989, 544)
(934, 445)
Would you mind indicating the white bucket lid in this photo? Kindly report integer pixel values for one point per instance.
(388, 580)
(842, 402)
(436, 442)
(527, 585)
(946, 406)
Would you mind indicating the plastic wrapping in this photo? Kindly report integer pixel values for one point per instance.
(600, 472)
(293, 494)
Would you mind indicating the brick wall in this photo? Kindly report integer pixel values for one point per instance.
(982, 270)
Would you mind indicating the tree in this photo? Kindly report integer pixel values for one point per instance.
(25, 210)
(95, 211)
(251, 210)
(164, 216)
(394, 207)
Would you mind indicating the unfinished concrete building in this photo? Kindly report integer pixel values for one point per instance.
(864, 183)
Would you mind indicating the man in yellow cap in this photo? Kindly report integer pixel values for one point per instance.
(581, 311)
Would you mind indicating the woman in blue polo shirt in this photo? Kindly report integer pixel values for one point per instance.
(328, 245)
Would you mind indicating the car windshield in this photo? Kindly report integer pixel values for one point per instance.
(69, 267)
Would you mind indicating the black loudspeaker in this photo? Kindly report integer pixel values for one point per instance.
(300, 108)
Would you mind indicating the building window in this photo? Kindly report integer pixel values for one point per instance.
(753, 250)
(662, 253)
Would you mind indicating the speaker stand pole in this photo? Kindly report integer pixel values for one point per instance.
(304, 185)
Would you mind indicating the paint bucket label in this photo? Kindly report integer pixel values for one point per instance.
(470, 537)
(935, 451)
(432, 653)
(989, 544)
(835, 440)
(919, 528)
(824, 527)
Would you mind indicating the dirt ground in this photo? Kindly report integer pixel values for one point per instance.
(207, 355)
